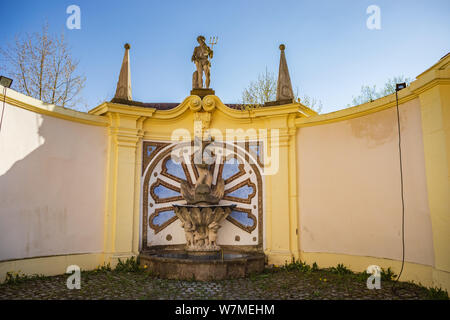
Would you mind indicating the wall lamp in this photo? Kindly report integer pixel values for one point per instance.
(400, 86)
(6, 83)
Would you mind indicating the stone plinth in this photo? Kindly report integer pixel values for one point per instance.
(179, 265)
(200, 224)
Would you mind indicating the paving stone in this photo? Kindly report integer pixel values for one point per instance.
(278, 284)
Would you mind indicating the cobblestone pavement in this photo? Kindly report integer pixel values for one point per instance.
(279, 284)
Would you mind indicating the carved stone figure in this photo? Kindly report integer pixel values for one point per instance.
(203, 191)
(200, 239)
(201, 216)
(200, 57)
(189, 232)
(213, 227)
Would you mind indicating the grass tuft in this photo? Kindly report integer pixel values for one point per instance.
(129, 265)
(340, 269)
(17, 277)
(437, 294)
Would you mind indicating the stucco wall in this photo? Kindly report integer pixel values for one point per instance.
(349, 187)
(52, 181)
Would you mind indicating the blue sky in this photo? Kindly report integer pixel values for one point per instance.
(329, 49)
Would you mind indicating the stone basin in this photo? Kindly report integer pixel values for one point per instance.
(216, 266)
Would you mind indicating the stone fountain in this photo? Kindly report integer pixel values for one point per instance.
(202, 215)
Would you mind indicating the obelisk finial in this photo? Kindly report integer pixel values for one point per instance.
(123, 91)
(284, 86)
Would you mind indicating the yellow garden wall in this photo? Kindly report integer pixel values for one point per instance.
(350, 198)
(130, 126)
(52, 178)
(335, 197)
(349, 182)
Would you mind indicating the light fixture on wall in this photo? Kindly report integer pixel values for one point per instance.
(6, 83)
(398, 87)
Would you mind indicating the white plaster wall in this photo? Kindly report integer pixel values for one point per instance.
(52, 181)
(349, 187)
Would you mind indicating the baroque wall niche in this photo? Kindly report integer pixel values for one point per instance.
(239, 165)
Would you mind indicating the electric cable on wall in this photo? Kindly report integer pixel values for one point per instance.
(398, 87)
(3, 107)
(6, 83)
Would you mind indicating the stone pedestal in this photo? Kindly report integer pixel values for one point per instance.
(200, 223)
(202, 92)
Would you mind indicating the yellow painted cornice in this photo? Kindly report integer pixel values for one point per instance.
(357, 111)
(192, 102)
(439, 74)
(443, 63)
(17, 99)
(124, 109)
(430, 79)
(209, 104)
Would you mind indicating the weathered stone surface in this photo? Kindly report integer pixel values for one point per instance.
(202, 92)
(284, 86)
(201, 224)
(123, 91)
(202, 54)
(203, 270)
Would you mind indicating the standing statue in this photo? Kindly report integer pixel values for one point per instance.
(200, 57)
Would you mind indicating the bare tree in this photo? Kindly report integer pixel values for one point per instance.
(311, 103)
(42, 67)
(370, 93)
(260, 91)
(265, 89)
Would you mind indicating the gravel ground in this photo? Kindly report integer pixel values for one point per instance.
(278, 284)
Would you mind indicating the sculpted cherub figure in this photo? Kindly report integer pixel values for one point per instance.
(189, 232)
(213, 227)
(199, 239)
